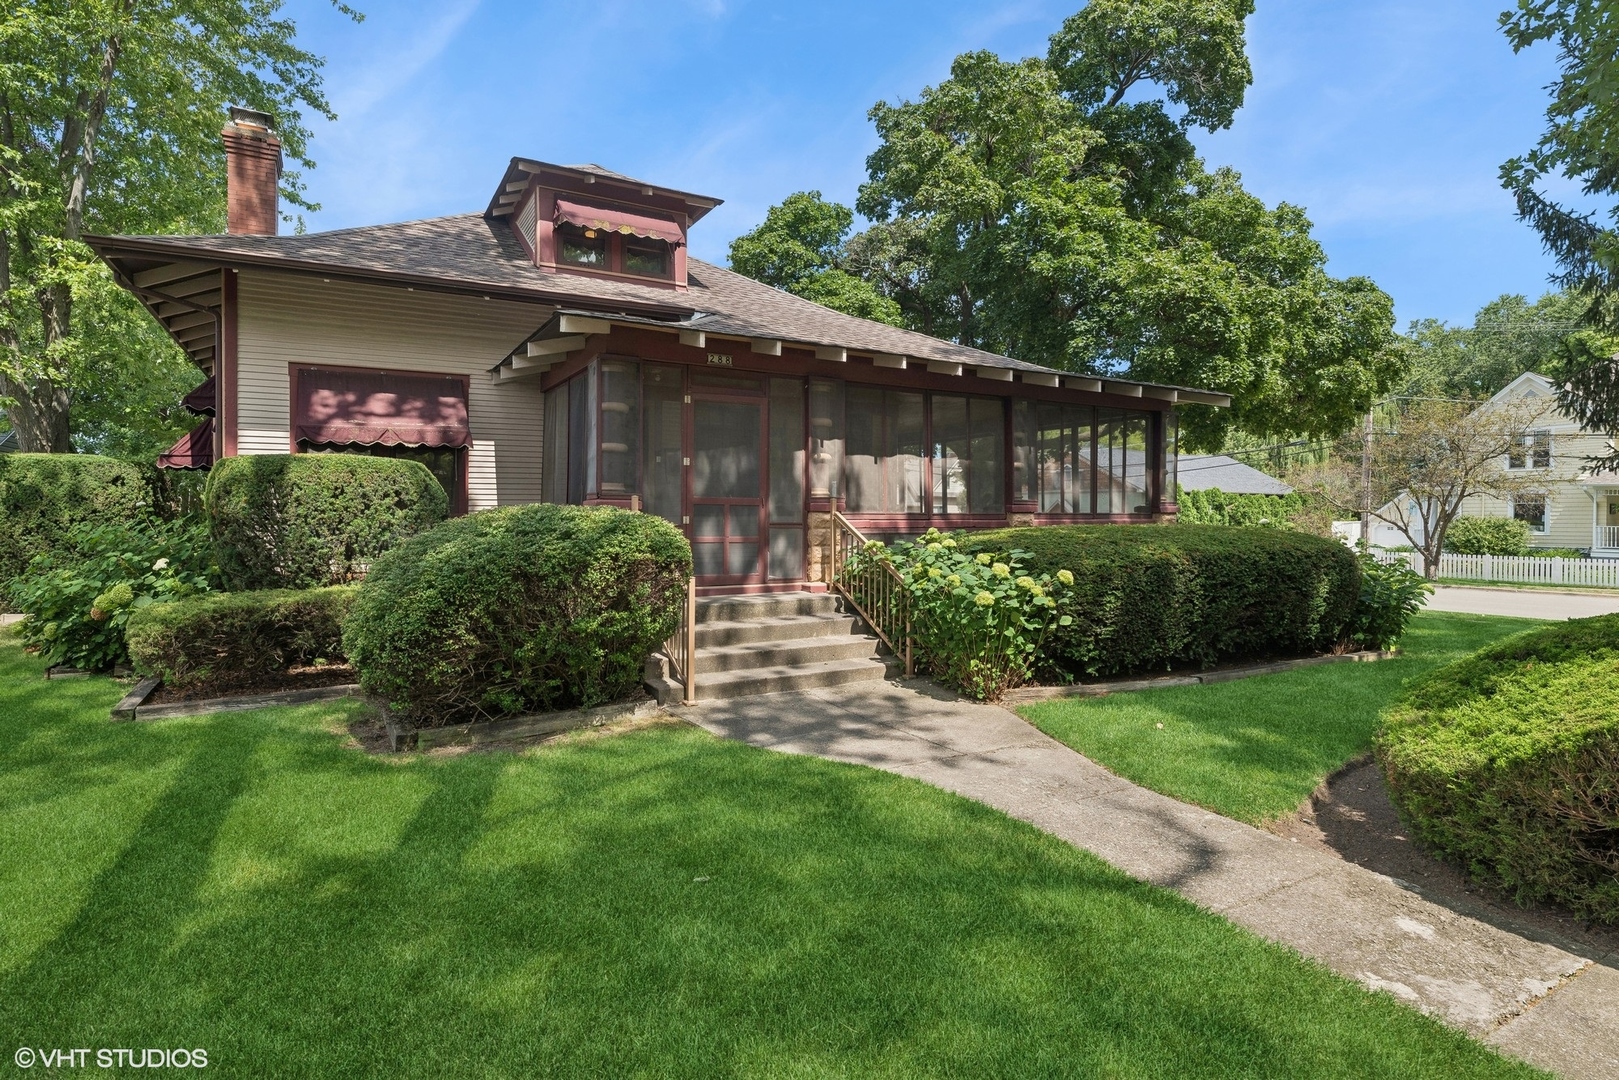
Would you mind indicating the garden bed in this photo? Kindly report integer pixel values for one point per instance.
(142, 703)
(298, 677)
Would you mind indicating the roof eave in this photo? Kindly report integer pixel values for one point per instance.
(112, 247)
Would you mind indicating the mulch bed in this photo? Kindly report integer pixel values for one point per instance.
(1350, 816)
(298, 678)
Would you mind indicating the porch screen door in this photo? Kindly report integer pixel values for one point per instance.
(727, 490)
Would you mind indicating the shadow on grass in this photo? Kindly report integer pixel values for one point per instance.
(660, 903)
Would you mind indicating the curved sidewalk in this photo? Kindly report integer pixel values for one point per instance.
(1531, 999)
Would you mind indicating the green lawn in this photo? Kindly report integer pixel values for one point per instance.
(658, 903)
(1254, 749)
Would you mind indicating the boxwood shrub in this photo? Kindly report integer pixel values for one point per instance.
(43, 496)
(298, 521)
(226, 641)
(525, 608)
(1506, 764)
(1154, 596)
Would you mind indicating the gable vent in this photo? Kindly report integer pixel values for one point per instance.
(525, 226)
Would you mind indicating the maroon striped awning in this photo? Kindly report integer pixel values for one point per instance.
(201, 400)
(613, 219)
(194, 450)
(374, 408)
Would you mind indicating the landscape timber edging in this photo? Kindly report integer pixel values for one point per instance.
(1031, 694)
(133, 706)
(516, 727)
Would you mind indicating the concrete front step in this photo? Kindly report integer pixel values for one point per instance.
(769, 643)
(776, 628)
(794, 652)
(764, 606)
(775, 680)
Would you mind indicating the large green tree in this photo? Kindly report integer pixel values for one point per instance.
(110, 113)
(801, 247)
(1509, 336)
(1580, 144)
(1046, 209)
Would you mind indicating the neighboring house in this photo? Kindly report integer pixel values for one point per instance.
(1206, 472)
(563, 346)
(1566, 504)
(8, 443)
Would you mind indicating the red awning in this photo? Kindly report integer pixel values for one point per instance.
(613, 219)
(375, 409)
(193, 451)
(201, 400)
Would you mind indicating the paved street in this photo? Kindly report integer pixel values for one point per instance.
(1525, 603)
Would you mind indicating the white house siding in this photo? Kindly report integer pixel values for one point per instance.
(1568, 505)
(294, 319)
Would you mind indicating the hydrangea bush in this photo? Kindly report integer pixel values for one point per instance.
(978, 620)
(79, 598)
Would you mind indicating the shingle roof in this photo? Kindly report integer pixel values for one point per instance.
(1202, 472)
(475, 253)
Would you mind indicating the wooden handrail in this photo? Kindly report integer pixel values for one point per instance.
(877, 593)
(681, 647)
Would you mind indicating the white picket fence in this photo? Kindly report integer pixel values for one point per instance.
(1514, 569)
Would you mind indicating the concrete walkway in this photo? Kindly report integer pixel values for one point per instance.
(1525, 603)
(1530, 998)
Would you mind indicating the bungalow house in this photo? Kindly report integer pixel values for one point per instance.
(562, 345)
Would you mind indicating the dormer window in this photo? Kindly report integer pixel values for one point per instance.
(618, 238)
(649, 258)
(582, 246)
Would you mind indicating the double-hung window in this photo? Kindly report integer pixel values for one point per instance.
(1532, 450)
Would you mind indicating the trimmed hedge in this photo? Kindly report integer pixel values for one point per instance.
(1507, 764)
(43, 496)
(1155, 596)
(525, 608)
(228, 640)
(1487, 536)
(1211, 506)
(298, 521)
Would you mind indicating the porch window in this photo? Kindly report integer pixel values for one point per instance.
(969, 455)
(1063, 438)
(785, 559)
(1121, 462)
(885, 453)
(1530, 509)
(661, 469)
(620, 426)
(826, 438)
(554, 476)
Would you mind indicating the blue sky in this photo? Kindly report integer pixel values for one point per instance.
(1387, 121)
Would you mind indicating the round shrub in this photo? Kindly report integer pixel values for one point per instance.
(1506, 764)
(1153, 596)
(1487, 536)
(43, 496)
(229, 640)
(299, 521)
(521, 609)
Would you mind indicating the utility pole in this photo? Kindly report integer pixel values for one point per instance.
(1366, 484)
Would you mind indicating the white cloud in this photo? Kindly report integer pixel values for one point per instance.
(392, 69)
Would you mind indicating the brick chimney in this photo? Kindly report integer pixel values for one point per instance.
(253, 164)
